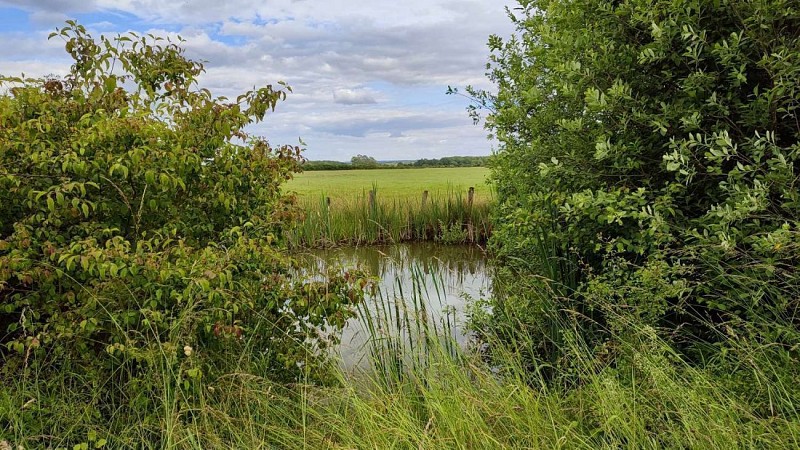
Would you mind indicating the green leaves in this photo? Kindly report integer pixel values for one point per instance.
(675, 127)
(120, 195)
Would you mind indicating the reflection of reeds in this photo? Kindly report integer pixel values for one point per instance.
(414, 304)
(384, 261)
(369, 219)
(407, 323)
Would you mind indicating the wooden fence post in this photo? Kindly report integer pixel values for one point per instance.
(328, 201)
(424, 198)
(372, 199)
(471, 196)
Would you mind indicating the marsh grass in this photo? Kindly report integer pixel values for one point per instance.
(424, 391)
(645, 395)
(409, 326)
(368, 218)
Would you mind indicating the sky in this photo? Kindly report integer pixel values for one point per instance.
(368, 76)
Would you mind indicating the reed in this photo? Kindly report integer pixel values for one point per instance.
(409, 326)
(366, 218)
(426, 393)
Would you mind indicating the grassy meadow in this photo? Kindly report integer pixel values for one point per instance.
(357, 207)
(341, 185)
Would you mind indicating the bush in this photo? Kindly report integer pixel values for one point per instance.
(655, 147)
(140, 220)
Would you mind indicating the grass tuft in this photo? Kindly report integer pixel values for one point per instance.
(367, 218)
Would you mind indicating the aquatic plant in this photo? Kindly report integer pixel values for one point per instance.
(368, 219)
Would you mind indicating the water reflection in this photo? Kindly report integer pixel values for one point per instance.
(437, 280)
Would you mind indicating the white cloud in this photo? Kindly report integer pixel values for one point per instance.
(354, 97)
(368, 76)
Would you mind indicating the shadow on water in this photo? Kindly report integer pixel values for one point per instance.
(420, 286)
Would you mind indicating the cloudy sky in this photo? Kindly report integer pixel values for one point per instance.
(369, 76)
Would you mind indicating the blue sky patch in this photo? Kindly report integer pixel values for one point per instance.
(14, 20)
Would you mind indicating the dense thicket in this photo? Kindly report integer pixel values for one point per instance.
(649, 165)
(139, 224)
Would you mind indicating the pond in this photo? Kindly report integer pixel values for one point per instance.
(415, 281)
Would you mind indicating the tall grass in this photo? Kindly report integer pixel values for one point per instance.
(425, 391)
(367, 218)
(409, 326)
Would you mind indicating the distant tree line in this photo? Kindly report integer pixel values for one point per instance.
(453, 161)
(327, 165)
(368, 162)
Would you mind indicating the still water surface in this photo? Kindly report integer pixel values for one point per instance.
(441, 279)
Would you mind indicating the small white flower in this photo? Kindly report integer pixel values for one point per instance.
(187, 350)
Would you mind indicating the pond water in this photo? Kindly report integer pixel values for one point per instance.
(415, 280)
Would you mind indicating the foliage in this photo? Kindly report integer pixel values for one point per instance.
(367, 162)
(452, 161)
(338, 210)
(363, 162)
(327, 165)
(425, 393)
(140, 220)
(655, 148)
(357, 220)
(407, 184)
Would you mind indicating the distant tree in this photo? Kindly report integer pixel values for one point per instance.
(363, 162)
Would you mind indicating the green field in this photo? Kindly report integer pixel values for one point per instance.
(390, 183)
(398, 212)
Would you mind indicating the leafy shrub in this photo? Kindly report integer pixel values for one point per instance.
(656, 145)
(140, 220)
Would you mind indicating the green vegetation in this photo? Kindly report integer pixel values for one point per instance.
(366, 162)
(448, 218)
(136, 238)
(647, 179)
(427, 395)
(453, 161)
(363, 162)
(390, 184)
(383, 206)
(645, 233)
(310, 166)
